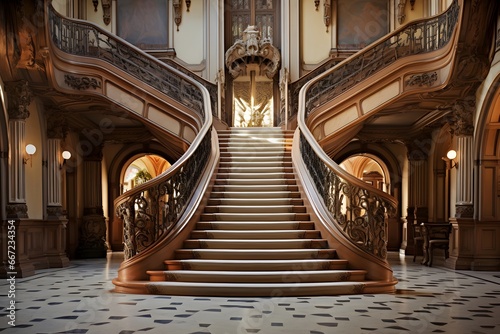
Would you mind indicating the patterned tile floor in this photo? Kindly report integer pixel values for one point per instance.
(78, 299)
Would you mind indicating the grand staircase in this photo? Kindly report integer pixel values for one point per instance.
(255, 237)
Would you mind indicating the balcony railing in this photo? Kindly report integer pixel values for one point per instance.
(151, 209)
(416, 38)
(81, 38)
(361, 211)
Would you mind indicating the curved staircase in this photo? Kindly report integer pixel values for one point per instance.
(255, 237)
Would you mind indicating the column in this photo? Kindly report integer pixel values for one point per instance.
(19, 98)
(56, 222)
(463, 237)
(464, 206)
(92, 236)
(417, 211)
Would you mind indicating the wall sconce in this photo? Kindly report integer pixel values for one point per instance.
(66, 155)
(450, 156)
(30, 149)
(188, 5)
(316, 4)
(95, 3)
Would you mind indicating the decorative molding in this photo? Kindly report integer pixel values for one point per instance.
(19, 96)
(106, 11)
(424, 79)
(81, 83)
(252, 49)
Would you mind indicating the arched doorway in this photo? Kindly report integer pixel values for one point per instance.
(133, 170)
(141, 169)
(252, 40)
(370, 169)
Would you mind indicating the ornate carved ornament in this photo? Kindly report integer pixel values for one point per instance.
(106, 11)
(57, 124)
(401, 10)
(253, 49)
(461, 118)
(81, 83)
(424, 79)
(19, 97)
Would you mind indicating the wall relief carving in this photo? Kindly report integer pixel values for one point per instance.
(81, 83)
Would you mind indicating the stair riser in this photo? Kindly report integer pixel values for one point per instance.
(260, 277)
(256, 265)
(275, 226)
(255, 209)
(255, 195)
(255, 244)
(254, 188)
(248, 235)
(254, 217)
(205, 254)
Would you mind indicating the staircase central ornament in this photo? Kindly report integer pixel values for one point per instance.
(253, 50)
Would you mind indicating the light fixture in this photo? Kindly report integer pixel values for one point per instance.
(316, 4)
(66, 155)
(95, 3)
(30, 149)
(188, 4)
(450, 156)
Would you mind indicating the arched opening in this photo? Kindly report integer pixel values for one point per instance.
(378, 167)
(131, 168)
(141, 169)
(370, 169)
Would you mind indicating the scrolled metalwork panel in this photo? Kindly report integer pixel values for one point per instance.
(150, 214)
(82, 39)
(358, 212)
(420, 37)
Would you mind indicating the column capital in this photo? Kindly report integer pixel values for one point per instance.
(19, 97)
(17, 210)
(461, 118)
(57, 125)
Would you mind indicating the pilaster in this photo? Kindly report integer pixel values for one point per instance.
(19, 98)
(92, 236)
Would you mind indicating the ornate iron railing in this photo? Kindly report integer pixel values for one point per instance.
(295, 87)
(361, 211)
(416, 38)
(151, 209)
(82, 38)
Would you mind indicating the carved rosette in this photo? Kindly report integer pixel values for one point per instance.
(252, 50)
(19, 97)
